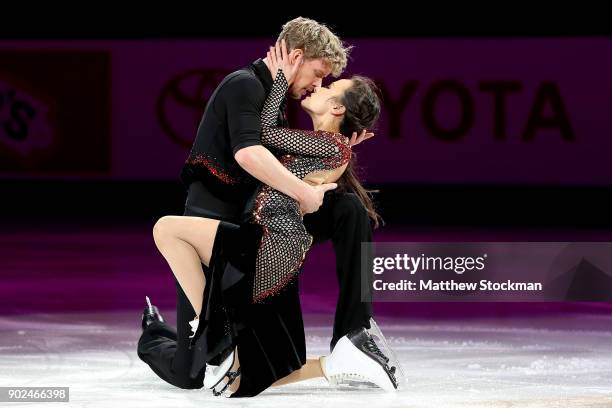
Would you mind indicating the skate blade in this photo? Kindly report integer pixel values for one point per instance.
(357, 384)
(383, 345)
(215, 375)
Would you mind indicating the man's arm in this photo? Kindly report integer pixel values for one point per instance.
(244, 99)
(261, 164)
(264, 166)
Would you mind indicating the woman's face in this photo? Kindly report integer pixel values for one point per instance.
(326, 99)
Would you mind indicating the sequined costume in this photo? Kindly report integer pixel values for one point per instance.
(285, 240)
(251, 299)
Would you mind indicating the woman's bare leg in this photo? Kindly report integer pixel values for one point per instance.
(186, 242)
(312, 369)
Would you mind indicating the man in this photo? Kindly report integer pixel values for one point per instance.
(225, 164)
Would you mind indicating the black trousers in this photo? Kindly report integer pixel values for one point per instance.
(344, 220)
(341, 219)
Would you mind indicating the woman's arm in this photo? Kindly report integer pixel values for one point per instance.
(293, 141)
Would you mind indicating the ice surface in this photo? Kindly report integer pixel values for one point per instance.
(539, 362)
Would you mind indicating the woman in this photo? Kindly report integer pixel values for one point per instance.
(248, 298)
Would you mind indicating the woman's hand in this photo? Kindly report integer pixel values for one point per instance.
(279, 58)
(365, 135)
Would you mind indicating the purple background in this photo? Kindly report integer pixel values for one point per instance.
(153, 119)
(155, 91)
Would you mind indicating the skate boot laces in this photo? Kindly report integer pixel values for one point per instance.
(372, 347)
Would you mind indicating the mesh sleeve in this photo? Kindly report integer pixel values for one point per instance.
(328, 145)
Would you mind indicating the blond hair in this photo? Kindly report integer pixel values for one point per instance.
(317, 41)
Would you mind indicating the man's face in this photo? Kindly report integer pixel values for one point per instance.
(309, 76)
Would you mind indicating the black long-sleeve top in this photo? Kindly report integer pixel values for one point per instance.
(231, 121)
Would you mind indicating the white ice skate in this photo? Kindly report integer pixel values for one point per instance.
(215, 374)
(357, 358)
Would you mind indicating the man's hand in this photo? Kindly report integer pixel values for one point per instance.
(313, 197)
(355, 140)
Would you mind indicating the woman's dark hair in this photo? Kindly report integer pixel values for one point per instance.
(362, 103)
